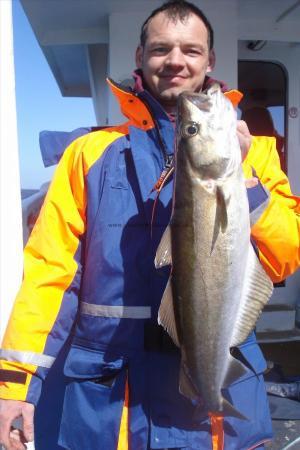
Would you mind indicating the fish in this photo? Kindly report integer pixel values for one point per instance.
(217, 287)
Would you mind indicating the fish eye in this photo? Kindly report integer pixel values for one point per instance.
(190, 129)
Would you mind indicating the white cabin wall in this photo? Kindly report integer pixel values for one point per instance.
(11, 261)
(294, 123)
(124, 29)
(97, 56)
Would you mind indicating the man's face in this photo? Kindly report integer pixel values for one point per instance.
(175, 57)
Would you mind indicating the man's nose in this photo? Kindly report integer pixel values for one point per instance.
(175, 58)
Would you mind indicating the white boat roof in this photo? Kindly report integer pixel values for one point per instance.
(66, 28)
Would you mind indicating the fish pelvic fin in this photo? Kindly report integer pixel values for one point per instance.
(163, 255)
(229, 410)
(236, 370)
(166, 314)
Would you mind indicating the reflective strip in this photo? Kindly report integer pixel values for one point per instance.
(217, 431)
(37, 359)
(119, 312)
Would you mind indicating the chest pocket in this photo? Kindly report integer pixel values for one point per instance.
(117, 176)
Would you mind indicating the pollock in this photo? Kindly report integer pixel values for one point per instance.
(217, 288)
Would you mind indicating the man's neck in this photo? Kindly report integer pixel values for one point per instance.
(170, 109)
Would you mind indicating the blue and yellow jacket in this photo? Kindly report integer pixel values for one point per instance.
(89, 272)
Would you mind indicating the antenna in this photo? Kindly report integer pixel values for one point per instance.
(287, 11)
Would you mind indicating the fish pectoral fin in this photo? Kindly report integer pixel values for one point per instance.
(221, 219)
(186, 386)
(236, 370)
(229, 410)
(166, 314)
(222, 209)
(163, 255)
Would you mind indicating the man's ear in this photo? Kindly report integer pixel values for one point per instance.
(139, 57)
(211, 61)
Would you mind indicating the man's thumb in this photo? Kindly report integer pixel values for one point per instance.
(28, 413)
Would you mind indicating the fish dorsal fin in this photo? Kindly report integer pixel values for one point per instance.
(163, 255)
(257, 290)
(166, 314)
(235, 370)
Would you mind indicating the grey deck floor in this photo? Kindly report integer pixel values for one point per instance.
(287, 355)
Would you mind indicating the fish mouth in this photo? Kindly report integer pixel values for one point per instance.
(201, 100)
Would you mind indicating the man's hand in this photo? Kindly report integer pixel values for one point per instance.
(245, 140)
(12, 438)
(244, 137)
(251, 182)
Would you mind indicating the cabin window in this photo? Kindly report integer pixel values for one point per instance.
(264, 105)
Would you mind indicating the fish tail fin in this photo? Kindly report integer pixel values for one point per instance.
(229, 410)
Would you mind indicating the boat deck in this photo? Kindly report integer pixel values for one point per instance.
(285, 354)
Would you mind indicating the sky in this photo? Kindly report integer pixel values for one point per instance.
(40, 105)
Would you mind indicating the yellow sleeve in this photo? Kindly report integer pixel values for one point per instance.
(277, 231)
(46, 304)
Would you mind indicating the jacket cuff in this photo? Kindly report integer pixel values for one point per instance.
(18, 385)
(258, 198)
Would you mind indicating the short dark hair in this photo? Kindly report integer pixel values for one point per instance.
(178, 9)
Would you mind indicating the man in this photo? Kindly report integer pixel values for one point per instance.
(92, 245)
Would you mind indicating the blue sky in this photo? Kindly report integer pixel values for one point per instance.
(40, 105)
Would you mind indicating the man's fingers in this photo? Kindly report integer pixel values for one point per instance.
(251, 182)
(27, 413)
(17, 440)
(5, 424)
(244, 137)
(14, 440)
(10, 437)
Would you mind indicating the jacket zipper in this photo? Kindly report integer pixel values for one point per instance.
(167, 158)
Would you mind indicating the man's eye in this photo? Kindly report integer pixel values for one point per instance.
(190, 129)
(159, 50)
(194, 51)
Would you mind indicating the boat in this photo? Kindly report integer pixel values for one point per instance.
(258, 51)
